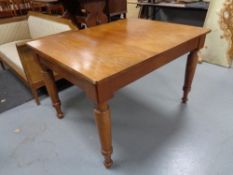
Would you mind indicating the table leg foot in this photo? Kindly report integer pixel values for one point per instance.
(185, 96)
(107, 159)
(103, 123)
(189, 74)
(57, 107)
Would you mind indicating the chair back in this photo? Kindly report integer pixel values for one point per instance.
(21, 6)
(41, 25)
(6, 9)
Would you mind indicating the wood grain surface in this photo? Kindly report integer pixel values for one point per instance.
(100, 52)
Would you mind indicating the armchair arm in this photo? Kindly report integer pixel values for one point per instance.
(32, 68)
(29, 63)
(14, 29)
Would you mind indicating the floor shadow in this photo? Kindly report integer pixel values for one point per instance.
(139, 130)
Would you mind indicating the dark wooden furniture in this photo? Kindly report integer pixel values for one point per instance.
(21, 7)
(116, 7)
(6, 9)
(30, 73)
(103, 59)
(50, 6)
(93, 13)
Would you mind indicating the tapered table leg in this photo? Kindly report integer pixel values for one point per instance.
(103, 123)
(52, 90)
(189, 74)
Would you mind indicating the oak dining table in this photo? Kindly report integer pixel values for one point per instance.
(103, 59)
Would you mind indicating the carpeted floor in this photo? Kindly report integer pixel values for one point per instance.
(13, 92)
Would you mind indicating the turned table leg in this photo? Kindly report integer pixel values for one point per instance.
(52, 90)
(189, 74)
(35, 95)
(103, 123)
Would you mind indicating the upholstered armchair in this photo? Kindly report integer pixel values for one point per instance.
(15, 33)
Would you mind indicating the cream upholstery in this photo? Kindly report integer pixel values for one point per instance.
(9, 51)
(14, 31)
(40, 27)
(219, 43)
(25, 30)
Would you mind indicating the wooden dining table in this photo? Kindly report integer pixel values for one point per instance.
(103, 59)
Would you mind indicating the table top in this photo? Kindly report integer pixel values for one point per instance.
(103, 51)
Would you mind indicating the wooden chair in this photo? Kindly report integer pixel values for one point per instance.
(21, 7)
(28, 4)
(47, 7)
(18, 6)
(6, 9)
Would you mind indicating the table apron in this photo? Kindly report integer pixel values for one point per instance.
(104, 90)
(109, 86)
(79, 81)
